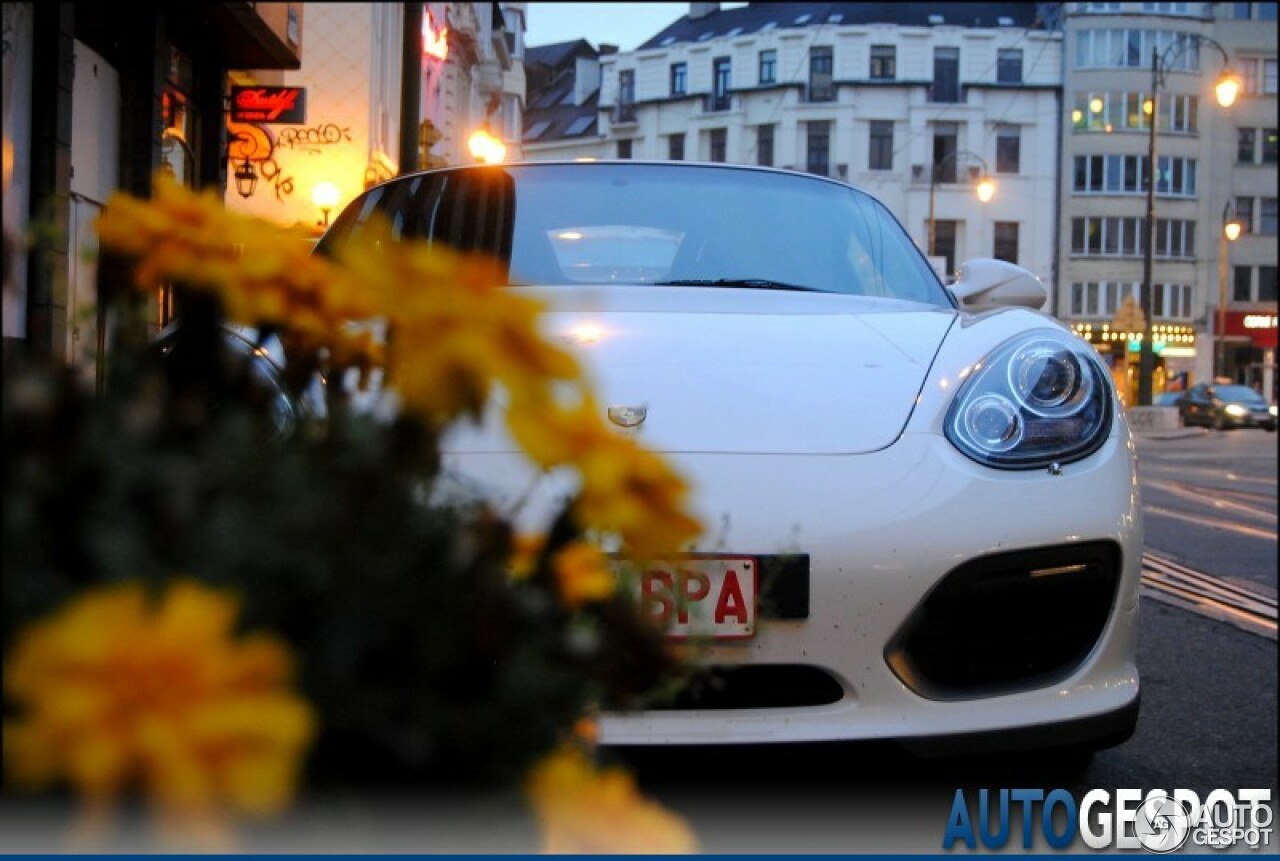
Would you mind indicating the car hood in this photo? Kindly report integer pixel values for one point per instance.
(728, 370)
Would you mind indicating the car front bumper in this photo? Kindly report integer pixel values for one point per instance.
(881, 530)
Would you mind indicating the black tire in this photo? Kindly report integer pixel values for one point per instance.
(1219, 423)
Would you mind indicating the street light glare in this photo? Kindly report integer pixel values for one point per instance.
(1231, 230)
(486, 147)
(1228, 87)
(986, 189)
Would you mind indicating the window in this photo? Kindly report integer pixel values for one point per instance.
(1268, 145)
(675, 147)
(1008, 148)
(944, 152)
(1269, 77)
(1113, 236)
(579, 126)
(821, 87)
(1244, 214)
(818, 147)
(768, 67)
(720, 84)
(1009, 66)
(764, 145)
(679, 79)
(1245, 145)
(1109, 112)
(624, 148)
(1267, 216)
(881, 148)
(1115, 48)
(946, 75)
(1266, 283)
(1127, 174)
(944, 244)
(1242, 284)
(884, 62)
(626, 96)
(1249, 75)
(1006, 241)
(718, 139)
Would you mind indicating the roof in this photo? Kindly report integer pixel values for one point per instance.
(551, 79)
(556, 55)
(756, 17)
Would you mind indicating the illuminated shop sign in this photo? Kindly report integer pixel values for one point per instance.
(286, 105)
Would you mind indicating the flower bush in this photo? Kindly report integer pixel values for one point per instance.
(220, 614)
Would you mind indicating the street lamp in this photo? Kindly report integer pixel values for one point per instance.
(1230, 233)
(1226, 89)
(485, 147)
(985, 189)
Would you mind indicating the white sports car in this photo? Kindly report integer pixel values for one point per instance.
(922, 513)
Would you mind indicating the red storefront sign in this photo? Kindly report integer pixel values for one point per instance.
(1258, 327)
(269, 105)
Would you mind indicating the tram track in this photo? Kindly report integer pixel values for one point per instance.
(1208, 595)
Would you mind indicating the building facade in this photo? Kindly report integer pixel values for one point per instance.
(1212, 164)
(388, 88)
(94, 101)
(910, 101)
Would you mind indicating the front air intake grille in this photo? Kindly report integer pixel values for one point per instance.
(760, 686)
(1008, 622)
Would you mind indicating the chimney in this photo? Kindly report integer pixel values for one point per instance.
(702, 10)
(607, 49)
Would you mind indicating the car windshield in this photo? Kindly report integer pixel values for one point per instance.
(1244, 394)
(666, 225)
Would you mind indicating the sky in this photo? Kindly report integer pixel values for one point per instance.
(623, 24)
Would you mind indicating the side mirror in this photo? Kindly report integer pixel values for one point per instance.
(988, 283)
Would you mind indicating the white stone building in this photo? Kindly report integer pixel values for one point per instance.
(880, 95)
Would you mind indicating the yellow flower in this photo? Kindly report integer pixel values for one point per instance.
(115, 693)
(583, 809)
(526, 548)
(582, 574)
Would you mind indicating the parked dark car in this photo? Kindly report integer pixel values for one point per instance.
(1226, 406)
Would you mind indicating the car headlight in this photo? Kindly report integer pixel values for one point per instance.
(1040, 398)
(1236, 410)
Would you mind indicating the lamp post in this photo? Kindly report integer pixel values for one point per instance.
(1230, 233)
(1226, 89)
(985, 189)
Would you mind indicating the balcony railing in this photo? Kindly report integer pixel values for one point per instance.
(623, 114)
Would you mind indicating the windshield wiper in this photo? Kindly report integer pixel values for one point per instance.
(752, 283)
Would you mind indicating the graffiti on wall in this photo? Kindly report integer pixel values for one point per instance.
(261, 147)
(312, 138)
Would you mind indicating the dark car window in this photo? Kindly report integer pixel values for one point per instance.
(603, 223)
(1238, 394)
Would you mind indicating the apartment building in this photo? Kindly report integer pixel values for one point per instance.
(1213, 164)
(912, 102)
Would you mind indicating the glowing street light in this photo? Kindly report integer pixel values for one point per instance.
(485, 147)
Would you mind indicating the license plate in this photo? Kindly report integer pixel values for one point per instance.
(701, 596)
